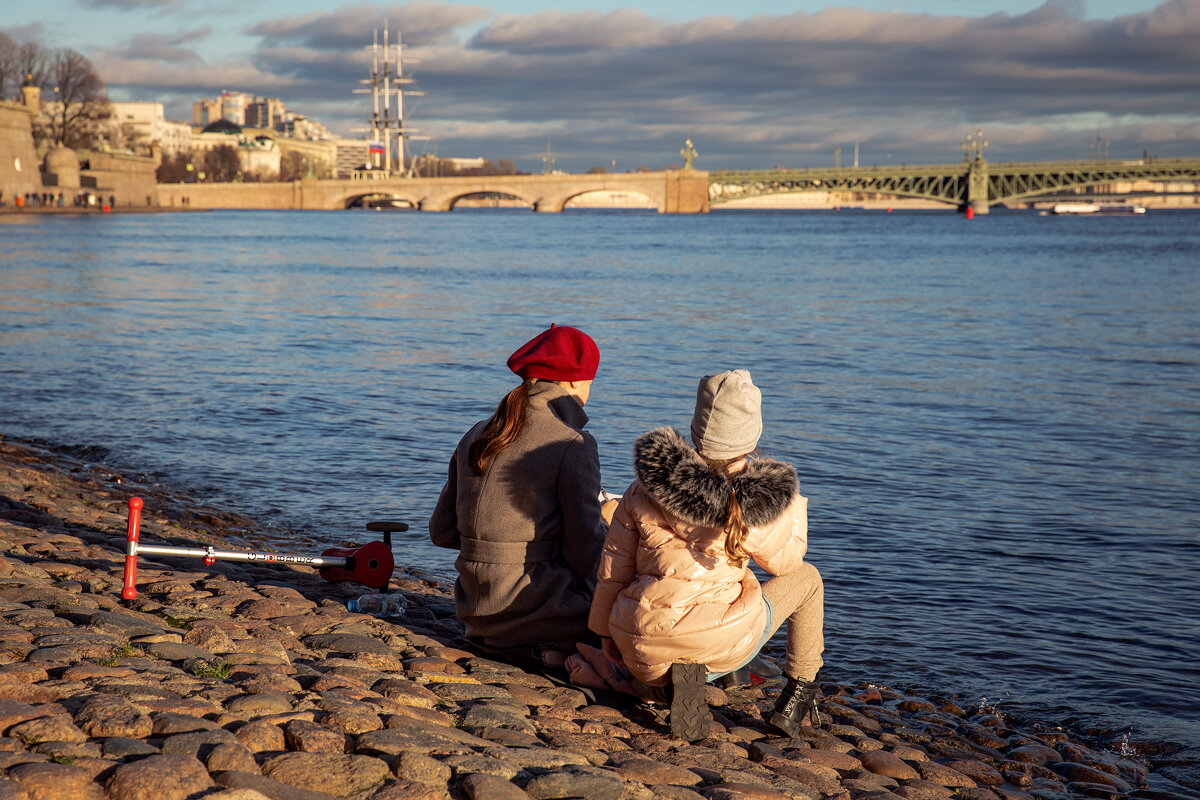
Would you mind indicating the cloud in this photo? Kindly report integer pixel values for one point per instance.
(130, 5)
(160, 48)
(421, 22)
(767, 90)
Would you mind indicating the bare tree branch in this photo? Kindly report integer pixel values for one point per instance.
(75, 99)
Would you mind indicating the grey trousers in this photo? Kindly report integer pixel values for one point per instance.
(799, 598)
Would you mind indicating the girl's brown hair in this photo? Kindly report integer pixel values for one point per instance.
(736, 529)
(501, 430)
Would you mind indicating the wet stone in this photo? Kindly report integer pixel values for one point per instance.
(1082, 773)
(978, 771)
(882, 762)
(943, 775)
(921, 789)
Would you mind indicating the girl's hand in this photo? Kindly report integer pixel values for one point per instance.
(609, 648)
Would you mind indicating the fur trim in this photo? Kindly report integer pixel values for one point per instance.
(679, 480)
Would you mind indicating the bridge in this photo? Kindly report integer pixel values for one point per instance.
(671, 192)
(972, 183)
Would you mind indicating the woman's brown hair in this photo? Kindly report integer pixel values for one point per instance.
(736, 529)
(501, 430)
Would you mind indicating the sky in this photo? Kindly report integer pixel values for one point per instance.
(754, 84)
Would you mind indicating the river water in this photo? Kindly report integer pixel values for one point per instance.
(996, 421)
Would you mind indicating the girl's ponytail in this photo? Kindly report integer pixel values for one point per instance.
(501, 430)
(736, 532)
(736, 529)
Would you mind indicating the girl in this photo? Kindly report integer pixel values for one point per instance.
(676, 601)
(521, 505)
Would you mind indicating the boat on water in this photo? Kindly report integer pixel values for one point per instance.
(1103, 209)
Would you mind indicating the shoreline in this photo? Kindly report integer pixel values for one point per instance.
(238, 682)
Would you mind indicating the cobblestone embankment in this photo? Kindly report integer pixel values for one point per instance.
(243, 682)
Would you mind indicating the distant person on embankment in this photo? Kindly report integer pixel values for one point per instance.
(677, 604)
(521, 505)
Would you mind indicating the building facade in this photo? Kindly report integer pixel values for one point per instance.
(137, 126)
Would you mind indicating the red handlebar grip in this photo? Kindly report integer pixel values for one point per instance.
(131, 537)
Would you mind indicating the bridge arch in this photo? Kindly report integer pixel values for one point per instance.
(632, 197)
(382, 199)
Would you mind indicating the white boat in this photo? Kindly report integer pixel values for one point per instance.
(1109, 209)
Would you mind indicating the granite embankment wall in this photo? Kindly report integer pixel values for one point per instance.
(230, 195)
(18, 159)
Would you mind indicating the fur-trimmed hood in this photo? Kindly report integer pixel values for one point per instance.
(686, 487)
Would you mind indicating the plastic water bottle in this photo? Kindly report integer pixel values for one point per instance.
(379, 605)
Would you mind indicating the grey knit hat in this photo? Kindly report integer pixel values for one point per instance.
(728, 418)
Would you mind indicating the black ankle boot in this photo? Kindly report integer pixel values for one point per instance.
(690, 717)
(796, 707)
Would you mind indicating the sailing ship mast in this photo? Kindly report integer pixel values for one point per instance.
(383, 84)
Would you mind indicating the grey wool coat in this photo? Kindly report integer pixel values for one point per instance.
(528, 531)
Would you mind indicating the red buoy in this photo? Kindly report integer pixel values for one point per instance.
(970, 213)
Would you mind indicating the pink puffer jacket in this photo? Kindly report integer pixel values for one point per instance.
(666, 590)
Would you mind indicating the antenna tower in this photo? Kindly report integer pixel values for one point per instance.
(387, 78)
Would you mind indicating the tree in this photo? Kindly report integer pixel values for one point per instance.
(75, 99)
(174, 169)
(597, 171)
(19, 64)
(10, 76)
(222, 163)
(293, 166)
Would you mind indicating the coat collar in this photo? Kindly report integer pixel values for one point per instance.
(679, 481)
(561, 403)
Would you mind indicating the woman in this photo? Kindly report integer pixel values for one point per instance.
(521, 505)
(676, 601)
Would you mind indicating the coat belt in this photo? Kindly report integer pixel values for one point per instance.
(506, 552)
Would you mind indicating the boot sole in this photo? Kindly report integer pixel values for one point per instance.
(690, 717)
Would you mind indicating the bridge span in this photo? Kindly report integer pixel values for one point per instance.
(671, 192)
(973, 183)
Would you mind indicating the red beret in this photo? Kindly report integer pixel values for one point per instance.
(561, 353)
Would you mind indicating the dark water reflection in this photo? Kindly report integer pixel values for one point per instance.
(997, 422)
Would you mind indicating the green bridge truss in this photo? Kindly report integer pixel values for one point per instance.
(971, 183)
